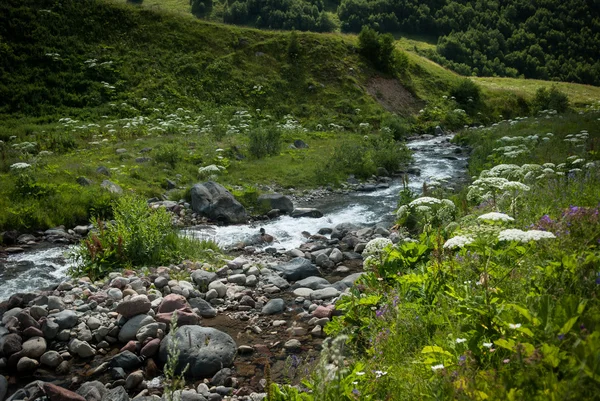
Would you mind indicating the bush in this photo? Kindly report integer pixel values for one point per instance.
(138, 236)
(552, 99)
(264, 141)
(379, 49)
(467, 93)
(201, 7)
(169, 153)
(395, 126)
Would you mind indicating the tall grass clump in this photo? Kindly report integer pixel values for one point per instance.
(138, 236)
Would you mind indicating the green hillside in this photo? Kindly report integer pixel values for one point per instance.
(76, 58)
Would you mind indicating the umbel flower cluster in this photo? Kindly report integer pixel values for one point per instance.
(428, 211)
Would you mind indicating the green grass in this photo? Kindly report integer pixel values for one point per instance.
(579, 95)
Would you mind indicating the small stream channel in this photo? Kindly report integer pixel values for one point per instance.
(436, 158)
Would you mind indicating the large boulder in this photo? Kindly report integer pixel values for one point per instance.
(205, 349)
(297, 269)
(276, 201)
(306, 212)
(215, 202)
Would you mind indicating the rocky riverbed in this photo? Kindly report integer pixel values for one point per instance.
(108, 340)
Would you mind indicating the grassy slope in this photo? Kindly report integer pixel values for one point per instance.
(168, 58)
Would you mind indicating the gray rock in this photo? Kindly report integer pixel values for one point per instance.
(203, 278)
(81, 348)
(126, 360)
(26, 364)
(276, 305)
(50, 329)
(219, 287)
(51, 359)
(188, 395)
(147, 331)
(341, 230)
(204, 308)
(239, 279)
(37, 312)
(134, 380)
(205, 349)
(306, 212)
(55, 303)
(93, 323)
(132, 326)
(115, 294)
(336, 256)
(276, 201)
(116, 394)
(323, 261)
(65, 319)
(103, 170)
(34, 347)
(136, 305)
(92, 391)
(297, 269)
(81, 230)
(292, 345)
(300, 144)
(11, 344)
(324, 293)
(84, 182)
(111, 187)
(349, 280)
(277, 281)
(215, 202)
(314, 283)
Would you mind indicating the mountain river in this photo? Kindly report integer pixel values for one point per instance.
(436, 158)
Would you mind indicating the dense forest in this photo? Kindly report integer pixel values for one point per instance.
(535, 39)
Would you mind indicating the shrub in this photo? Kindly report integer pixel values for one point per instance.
(169, 153)
(138, 236)
(395, 126)
(264, 141)
(379, 49)
(552, 99)
(467, 93)
(201, 7)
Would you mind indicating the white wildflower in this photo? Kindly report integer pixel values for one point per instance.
(20, 166)
(514, 186)
(514, 326)
(376, 246)
(495, 216)
(461, 340)
(488, 345)
(425, 200)
(524, 236)
(460, 241)
(437, 367)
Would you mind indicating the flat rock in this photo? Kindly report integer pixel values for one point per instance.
(65, 319)
(297, 269)
(206, 310)
(306, 212)
(205, 349)
(325, 293)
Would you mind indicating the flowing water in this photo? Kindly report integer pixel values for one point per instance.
(436, 158)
